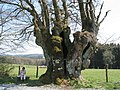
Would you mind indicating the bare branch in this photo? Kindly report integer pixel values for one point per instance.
(87, 10)
(65, 9)
(100, 12)
(82, 13)
(45, 13)
(30, 4)
(57, 11)
(104, 17)
(92, 11)
(108, 39)
(21, 6)
(6, 2)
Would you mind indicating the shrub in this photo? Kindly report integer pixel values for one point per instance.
(5, 67)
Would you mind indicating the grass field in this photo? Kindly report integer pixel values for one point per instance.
(95, 78)
(30, 71)
(100, 75)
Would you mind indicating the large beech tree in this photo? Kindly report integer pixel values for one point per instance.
(52, 21)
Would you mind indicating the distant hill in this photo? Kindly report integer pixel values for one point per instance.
(34, 56)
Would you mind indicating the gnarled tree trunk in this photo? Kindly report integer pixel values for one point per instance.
(66, 59)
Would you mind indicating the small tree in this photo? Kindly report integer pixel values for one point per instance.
(108, 57)
(5, 66)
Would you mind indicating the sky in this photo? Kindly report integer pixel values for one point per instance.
(109, 30)
(110, 26)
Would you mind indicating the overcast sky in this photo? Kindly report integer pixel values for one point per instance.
(109, 28)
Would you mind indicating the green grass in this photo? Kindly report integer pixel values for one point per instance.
(94, 78)
(30, 71)
(99, 75)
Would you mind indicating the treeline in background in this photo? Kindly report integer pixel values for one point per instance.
(106, 54)
(23, 60)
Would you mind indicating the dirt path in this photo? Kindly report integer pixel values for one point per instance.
(23, 87)
(46, 87)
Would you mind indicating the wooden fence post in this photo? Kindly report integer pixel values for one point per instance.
(37, 72)
(19, 71)
(106, 67)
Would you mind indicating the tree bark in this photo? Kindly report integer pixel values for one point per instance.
(66, 59)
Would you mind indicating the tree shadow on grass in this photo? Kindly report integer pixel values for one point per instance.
(14, 80)
(29, 82)
(7, 80)
(36, 82)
